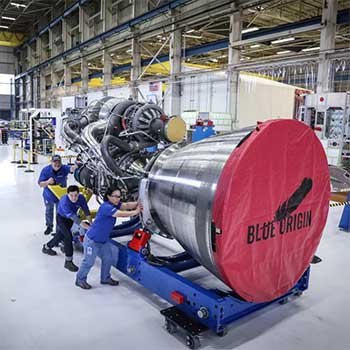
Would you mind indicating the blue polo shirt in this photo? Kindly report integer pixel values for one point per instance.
(60, 177)
(68, 209)
(104, 222)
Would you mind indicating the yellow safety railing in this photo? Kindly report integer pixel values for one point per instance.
(29, 163)
(15, 153)
(21, 162)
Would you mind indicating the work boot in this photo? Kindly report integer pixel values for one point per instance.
(48, 230)
(82, 284)
(48, 251)
(111, 282)
(69, 265)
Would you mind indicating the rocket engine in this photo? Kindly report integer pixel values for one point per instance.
(249, 206)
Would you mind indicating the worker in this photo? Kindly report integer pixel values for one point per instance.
(96, 240)
(54, 174)
(4, 136)
(67, 209)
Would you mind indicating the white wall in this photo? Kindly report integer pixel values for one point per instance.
(5, 84)
(145, 89)
(7, 60)
(94, 95)
(120, 92)
(262, 99)
(202, 92)
(259, 99)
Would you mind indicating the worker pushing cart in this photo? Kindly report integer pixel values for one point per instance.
(54, 174)
(66, 216)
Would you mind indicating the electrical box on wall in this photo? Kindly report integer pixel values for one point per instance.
(329, 115)
(80, 101)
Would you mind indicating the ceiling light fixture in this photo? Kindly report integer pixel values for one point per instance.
(283, 52)
(255, 46)
(9, 18)
(5, 27)
(283, 40)
(190, 31)
(311, 49)
(251, 29)
(17, 4)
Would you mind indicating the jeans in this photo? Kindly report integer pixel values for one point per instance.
(93, 249)
(64, 233)
(49, 209)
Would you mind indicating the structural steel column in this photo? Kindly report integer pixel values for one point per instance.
(135, 67)
(107, 71)
(83, 24)
(175, 68)
(39, 49)
(21, 92)
(233, 75)
(327, 42)
(54, 80)
(84, 76)
(138, 7)
(66, 34)
(42, 90)
(29, 56)
(51, 46)
(18, 62)
(29, 91)
(106, 15)
(36, 90)
(67, 77)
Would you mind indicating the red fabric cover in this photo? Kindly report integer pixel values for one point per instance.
(258, 177)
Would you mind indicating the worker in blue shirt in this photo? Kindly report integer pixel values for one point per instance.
(67, 209)
(96, 240)
(54, 174)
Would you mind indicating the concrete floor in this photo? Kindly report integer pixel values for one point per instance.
(41, 309)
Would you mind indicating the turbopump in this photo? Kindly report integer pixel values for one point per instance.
(113, 139)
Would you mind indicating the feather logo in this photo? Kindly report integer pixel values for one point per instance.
(293, 202)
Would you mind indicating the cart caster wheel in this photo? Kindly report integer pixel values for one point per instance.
(144, 251)
(298, 293)
(192, 342)
(222, 333)
(283, 301)
(170, 327)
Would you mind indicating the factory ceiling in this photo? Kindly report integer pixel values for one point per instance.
(263, 15)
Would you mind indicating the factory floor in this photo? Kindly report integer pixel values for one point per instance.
(42, 309)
